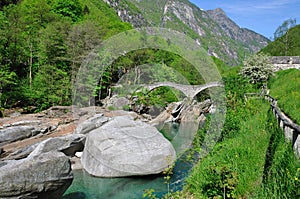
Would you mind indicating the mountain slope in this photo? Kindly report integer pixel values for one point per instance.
(287, 45)
(244, 35)
(219, 35)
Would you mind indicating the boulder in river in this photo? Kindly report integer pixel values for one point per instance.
(68, 144)
(91, 123)
(125, 147)
(45, 176)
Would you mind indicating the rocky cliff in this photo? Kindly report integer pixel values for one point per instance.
(248, 37)
(213, 30)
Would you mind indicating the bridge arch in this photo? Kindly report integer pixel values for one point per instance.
(188, 90)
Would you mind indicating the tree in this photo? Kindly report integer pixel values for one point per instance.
(257, 68)
(7, 78)
(82, 39)
(70, 8)
(282, 34)
(284, 27)
(14, 45)
(52, 44)
(7, 2)
(35, 16)
(3, 37)
(50, 87)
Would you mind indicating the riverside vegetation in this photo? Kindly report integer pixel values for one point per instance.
(252, 158)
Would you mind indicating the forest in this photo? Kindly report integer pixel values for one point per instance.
(43, 43)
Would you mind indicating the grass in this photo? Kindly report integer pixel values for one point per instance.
(282, 168)
(252, 158)
(285, 87)
(255, 163)
(242, 155)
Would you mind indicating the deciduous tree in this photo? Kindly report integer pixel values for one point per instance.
(7, 78)
(282, 34)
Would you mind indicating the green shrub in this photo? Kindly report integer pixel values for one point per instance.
(221, 182)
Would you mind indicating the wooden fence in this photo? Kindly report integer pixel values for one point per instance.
(291, 130)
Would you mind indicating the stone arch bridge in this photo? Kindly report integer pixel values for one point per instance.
(189, 90)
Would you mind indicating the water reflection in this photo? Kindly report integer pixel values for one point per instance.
(77, 195)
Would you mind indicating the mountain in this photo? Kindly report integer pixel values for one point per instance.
(244, 35)
(217, 33)
(287, 45)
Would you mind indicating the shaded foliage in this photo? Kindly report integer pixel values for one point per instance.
(71, 8)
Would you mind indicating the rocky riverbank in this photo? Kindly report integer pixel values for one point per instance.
(38, 150)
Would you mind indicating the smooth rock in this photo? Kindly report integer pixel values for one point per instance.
(91, 123)
(21, 153)
(182, 112)
(119, 102)
(165, 116)
(76, 163)
(15, 133)
(68, 144)
(45, 176)
(117, 113)
(124, 147)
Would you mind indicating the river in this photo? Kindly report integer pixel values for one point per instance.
(85, 186)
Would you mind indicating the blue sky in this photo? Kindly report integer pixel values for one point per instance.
(261, 16)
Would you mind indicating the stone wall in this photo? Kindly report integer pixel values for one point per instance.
(285, 62)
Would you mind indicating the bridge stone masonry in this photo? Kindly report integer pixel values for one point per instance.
(285, 62)
(189, 90)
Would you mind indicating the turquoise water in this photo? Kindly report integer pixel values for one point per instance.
(85, 186)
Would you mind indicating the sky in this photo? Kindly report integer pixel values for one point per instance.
(261, 16)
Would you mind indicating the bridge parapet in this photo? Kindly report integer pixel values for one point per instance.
(189, 90)
(285, 62)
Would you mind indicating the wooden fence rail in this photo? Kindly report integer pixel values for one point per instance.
(291, 130)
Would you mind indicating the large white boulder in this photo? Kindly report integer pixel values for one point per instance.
(125, 147)
(47, 176)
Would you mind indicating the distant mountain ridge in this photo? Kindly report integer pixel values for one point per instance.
(212, 29)
(243, 35)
